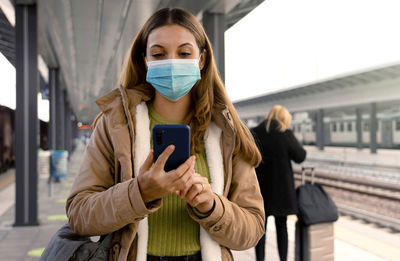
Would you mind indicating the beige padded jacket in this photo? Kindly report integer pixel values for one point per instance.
(98, 206)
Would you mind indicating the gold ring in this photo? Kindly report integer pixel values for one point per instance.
(202, 187)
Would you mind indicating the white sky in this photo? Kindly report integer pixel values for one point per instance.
(8, 89)
(7, 83)
(286, 43)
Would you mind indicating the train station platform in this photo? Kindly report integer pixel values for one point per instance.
(384, 158)
(354, 239)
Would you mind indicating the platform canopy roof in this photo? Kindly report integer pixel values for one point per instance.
(338, 95)
(88, 40)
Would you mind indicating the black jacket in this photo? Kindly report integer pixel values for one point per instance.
(275, 174)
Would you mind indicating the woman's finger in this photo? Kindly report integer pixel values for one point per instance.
(183, 168)
(147, 163)
(193, 192)
(162, 159)
(194, 179)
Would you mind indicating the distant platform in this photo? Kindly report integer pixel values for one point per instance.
(385, 158)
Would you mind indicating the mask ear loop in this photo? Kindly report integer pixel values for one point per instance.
(201, 53)
(146, 63)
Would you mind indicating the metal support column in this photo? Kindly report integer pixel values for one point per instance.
(67, 125)
(359, 128)
(75, 128)
(319, 130)
(53, 85)
(60, 134)
(373, 128)
(71, 126)
(26, 205)
(214, 25)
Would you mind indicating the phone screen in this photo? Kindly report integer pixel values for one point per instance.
(176, 134)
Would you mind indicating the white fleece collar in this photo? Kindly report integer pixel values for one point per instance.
(210, 249)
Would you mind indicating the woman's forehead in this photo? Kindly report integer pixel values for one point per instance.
(170, 35)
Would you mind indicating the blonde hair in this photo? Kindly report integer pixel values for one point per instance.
(208, 91)
(281, 115)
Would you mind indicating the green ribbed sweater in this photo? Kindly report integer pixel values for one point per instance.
(171, 231)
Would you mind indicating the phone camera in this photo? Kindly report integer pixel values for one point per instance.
(159, 137)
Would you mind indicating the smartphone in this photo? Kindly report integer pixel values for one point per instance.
(176, 134)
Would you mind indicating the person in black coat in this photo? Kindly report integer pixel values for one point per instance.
(278, 147)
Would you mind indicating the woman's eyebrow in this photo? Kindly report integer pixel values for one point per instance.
(156, 45)
(185, 44)
(160, 46)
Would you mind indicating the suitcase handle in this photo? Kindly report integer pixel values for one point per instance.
(303, 174)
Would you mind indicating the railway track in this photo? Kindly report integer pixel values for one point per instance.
(385, 174)
(372, 200)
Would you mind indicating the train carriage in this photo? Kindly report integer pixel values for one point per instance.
(341, 131)
(7, 148)
(7, 137)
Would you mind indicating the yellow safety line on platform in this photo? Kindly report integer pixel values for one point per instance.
(36, 252)
(369, 244)
(65, 192)
(58, 218)
(7, 180)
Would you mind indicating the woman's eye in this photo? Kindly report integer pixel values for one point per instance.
(157, 55)
(185, 54)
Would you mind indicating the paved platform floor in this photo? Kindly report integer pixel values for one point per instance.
(354, 240)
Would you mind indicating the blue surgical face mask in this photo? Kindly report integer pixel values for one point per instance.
(173, 78)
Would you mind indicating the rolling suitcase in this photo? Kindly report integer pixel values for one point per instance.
(314, 241)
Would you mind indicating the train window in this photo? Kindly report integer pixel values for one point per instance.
(313, 128)
(341, 127)
(334, 127)
(349, 127)
(366, 126)
(398, 125)
(299, 128)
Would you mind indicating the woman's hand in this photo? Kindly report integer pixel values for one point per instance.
(155, 183)
(198, 193)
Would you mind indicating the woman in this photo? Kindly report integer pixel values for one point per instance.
(209, 204)
(278, 146)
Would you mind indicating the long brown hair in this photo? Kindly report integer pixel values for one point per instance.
(208, 91)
